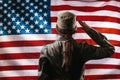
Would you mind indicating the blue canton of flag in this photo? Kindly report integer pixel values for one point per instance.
(1, 24)
(25, 17)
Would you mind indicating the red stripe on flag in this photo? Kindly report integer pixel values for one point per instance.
(43, 42)
(109, 76)
(99, 18)
(85, 8)
(116, 55)
(90, 41)
(102, 30)
(94, 18)
(19, 56)
(20, 78)
(24, 43)
(33, 56)
(101, 66)
(25, 67)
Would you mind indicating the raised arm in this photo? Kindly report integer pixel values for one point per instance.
(105, 49)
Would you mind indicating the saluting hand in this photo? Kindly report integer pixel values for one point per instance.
(84, 25)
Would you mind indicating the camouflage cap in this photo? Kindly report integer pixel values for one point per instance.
(66, 21)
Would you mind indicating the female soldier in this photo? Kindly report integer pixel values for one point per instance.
(64, 59)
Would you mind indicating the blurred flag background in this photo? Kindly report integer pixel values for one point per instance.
(27, 25)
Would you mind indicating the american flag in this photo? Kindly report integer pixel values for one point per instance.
(27, 25)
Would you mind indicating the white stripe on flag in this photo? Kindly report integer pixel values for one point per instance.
(52, 37)
(15, 50)
(101, 71)
(17, 73)
(98, 24)
(19, 62)
(83, 3)
(96, 13)
(105, 61)
(35, 62)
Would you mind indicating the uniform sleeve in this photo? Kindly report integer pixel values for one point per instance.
(44, 67)
(104, 50)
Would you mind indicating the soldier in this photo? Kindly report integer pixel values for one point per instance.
(64, 59)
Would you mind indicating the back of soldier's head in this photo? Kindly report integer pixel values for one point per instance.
(66, 23)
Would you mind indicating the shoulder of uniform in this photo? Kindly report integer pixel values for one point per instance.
(46, 47)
